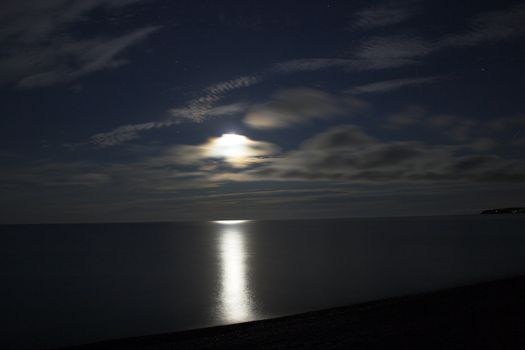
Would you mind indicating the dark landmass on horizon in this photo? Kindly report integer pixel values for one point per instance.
(515, 210)
(482, 316)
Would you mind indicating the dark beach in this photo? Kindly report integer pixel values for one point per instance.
(488, 315)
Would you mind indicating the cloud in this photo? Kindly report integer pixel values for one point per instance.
(51, 174)
(515, 122)
(126, 133)
(485, 28)
(478, 134)
(456, 128)
(347, 153)
(393, 84)
(75, 59)
(341, 137)
(411, 115)
(228, 110)
(381, 16)
(511, 128)
(197, 109)
(490, 27)
(33, 21)
(157, 174)
(396, 50)
(300, 105)
(234, 150)
(355, 63)
(312, 64)
(396, 47)
(482, 144)
(39, 48)
(129, 132)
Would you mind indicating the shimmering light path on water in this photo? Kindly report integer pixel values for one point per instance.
(234, 296)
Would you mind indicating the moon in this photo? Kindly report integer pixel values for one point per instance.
(232, 147)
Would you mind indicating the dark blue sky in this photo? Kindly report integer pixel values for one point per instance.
(114, 110)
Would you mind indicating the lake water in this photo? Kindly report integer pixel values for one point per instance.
(73, 284)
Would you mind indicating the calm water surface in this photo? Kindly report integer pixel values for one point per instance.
(72, 284)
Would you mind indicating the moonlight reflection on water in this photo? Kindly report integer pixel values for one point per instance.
(235, 302)
(230, 222)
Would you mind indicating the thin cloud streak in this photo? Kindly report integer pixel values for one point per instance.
(383, 15)
(393, 84)
(130, 132)
(74, 60)
(40, 48)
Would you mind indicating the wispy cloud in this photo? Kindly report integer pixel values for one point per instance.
(514, 122)
(352, 64)
(199, 108)
(40, 49)
(35, 21)
(312, 64)
(126, 133)
(490, 27)
(485, 28)
(382, 15)
(129, 132)
(456, 128)
(72, 60)
(409, 116)
(395, 47)
(393, 84)
(159, 172)
(300, 105)
(475, 134)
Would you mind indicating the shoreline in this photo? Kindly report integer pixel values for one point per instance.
(488, 315)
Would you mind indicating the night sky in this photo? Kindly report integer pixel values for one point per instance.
(157, 110)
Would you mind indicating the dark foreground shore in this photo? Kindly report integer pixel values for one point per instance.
(483, 316)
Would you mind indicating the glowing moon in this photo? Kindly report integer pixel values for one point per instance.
(234, 148)
(231, 146)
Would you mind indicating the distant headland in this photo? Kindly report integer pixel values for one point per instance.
(519, 210)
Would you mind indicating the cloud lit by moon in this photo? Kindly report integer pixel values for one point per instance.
(232, 147)
(237, 151)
